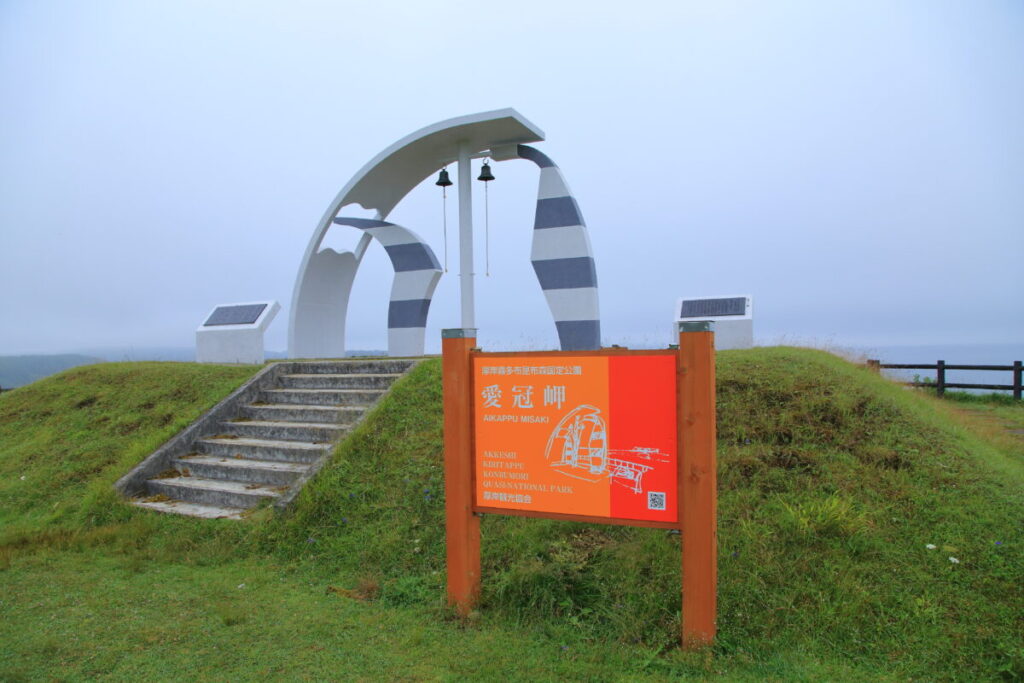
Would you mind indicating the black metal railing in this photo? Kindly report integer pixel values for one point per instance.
(940, 367)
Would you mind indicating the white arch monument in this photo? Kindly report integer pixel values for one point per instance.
(561, 254)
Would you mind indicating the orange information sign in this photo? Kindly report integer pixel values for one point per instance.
(586, 435)
(602, 436)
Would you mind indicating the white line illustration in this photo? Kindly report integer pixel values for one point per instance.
(578, 448)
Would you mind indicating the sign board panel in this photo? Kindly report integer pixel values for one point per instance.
(577, 434)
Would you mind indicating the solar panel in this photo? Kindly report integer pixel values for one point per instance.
(235, 315)
(697, 308)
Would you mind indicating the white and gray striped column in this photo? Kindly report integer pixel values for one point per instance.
(562, 258)
(417, 272)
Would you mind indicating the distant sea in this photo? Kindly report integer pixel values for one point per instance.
(16, 371)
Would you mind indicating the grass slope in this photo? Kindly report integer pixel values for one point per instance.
(66, 439)
(832, 483)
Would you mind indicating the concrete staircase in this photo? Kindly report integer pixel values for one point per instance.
(262, 443)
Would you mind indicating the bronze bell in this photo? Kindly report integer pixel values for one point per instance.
(443, 180)
(485, 173)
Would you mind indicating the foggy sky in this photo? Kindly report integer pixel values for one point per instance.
(857, 167)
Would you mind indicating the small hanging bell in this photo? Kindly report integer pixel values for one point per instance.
(485, 173)
(443, 180)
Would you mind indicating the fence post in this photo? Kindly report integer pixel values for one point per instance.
(698, 487)
(1016, 379)
(940, 378)
(874, 365)
(462, 527)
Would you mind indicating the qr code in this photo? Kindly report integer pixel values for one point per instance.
(655, 500)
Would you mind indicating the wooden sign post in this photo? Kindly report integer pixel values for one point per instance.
(462, 526)
(698, 483)
(611, 437)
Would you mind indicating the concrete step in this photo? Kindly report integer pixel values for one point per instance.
(236, 494)
(263, 449)
(260, 451)
(294, 412)
(321, 397)
(272, 472)
(179, 507)
(355, 366)
(366, 380)
(280, 430)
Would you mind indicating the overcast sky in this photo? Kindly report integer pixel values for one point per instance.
(857, 167)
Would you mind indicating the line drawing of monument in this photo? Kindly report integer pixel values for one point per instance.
(578, 448)
(561, 253)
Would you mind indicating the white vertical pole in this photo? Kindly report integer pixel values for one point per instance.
(466, 237)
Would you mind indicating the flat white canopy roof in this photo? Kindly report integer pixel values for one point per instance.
(393, 173)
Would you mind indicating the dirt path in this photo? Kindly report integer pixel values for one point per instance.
(1003, 423)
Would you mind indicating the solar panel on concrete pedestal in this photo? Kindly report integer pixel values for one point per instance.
(235, 315)
(696, 308)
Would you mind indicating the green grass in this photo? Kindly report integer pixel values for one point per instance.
(832, 483)
(1007, 411)
(990, 398)
(66, 439)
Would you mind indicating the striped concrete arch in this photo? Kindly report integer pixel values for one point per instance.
(325, 286)
(417, 272)
(562, 258)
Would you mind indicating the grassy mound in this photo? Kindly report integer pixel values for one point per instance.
(66, 439)
(834, 486)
